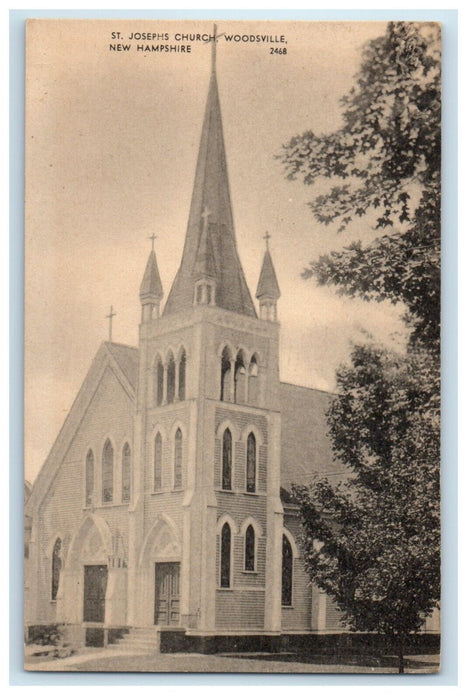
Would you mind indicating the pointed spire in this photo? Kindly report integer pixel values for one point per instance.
(215, 244)
(150, 291)
(151, 286)
(268, 291)
(268, 285)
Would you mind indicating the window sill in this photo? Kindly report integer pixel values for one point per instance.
(230, 589)
(111, 505)
(288, 607)
(255, 573)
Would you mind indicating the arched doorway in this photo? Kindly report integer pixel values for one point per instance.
(159, 573)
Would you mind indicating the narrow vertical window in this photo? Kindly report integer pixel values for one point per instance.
(227, 460)
(126, 473)
(253, 379)
(178, 456)
(240, 380)
(226, 545)
(251, 464)
(225, 375)
(250, 548)
(89, 487)
(287, 571)
(108, 473)
(170, 379)
(158, 462)
(159, 382)
(182, 377)
(56, 567)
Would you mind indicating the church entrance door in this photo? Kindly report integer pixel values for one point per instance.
(167, 598)
(95, 586)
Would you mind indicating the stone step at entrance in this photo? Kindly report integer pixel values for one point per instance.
(139, 640)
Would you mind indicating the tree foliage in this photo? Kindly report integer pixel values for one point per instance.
(388, 157)
(372, 542)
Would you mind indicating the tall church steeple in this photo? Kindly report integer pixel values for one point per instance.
(211, 193)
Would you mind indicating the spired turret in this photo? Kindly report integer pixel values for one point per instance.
(205, 270)
(150, 291)
(268, 291)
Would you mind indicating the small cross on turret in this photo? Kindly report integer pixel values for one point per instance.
(110, 316)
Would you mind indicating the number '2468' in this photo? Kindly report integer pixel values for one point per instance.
(282, 51)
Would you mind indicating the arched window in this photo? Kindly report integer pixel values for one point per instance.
(253, 382)
(159, 382)
(227, 460)
(226, 394)
(170, 379)
(251, 463)
(287, 571)
(89, 480)
(240, 379)
(182, 377)
(56, 566)
(226, 547)
(126, 473)
(178, 457)
(250, 548)
(158, 462)
(108, 473)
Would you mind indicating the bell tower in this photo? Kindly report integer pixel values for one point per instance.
(208, 422)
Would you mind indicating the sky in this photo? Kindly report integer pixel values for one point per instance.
(111, 147)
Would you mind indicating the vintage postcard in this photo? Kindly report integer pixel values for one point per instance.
(232, 346)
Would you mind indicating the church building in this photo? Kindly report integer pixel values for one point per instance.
(163, 509)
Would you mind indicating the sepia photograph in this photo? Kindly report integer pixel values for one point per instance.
(232, 346)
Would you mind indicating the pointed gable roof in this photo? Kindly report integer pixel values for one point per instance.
(211, 194)
(268, 285)
(151, 286)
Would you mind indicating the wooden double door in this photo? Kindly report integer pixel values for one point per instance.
(167, 594)
(95, 586)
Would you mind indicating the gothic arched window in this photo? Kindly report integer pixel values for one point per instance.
(182, 377)
(240, 379)
(108, 473)
(251, 463)
(226, 393)
(227, 460)
(158, 462)
(159, 382)
(89, 478)
(126, 473)
(170, 379)
(56, 567)
(287, 571)
(178, 459)
(250, 548)
(226, 547)
(253, 382)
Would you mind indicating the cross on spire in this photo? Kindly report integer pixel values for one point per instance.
(110, 316)
(152, 239)
(205, 216)
(266, 237)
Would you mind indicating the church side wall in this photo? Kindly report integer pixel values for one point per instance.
(110, 414)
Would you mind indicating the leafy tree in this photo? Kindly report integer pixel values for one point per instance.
(371, 542)
(378, 531)
(387, 156)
